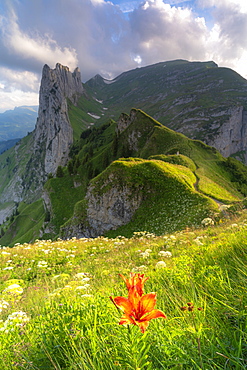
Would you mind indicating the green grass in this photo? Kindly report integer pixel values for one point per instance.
(63, 195)
(210, 188)
(169, 201)
(79, 117)
(72, 323)
(25, 226)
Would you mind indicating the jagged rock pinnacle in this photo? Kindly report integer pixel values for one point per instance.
(53, 132)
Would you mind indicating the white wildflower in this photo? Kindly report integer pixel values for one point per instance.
(3, 305)
(16, 319)
(198, 241)
(224, 207)
(42, 264)
(82, 287)
(207, 221)
(166, 254)
(86, 296)
(139, 268)
(81, 275)
(160, 265)
(14, 289)
(145, 254)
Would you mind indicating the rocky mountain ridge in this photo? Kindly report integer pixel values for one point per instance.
(47, 147)
(198, 99)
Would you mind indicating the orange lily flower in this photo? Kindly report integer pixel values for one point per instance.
(136, 281)
(138, 308)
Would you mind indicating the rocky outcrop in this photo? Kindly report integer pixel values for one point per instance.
(25, 168)
(105, 210)
(53, 132)
(231, 137)
(124, 121)
(112, 209)
(223, 127)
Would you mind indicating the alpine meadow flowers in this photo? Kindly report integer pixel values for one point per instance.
(138, 308)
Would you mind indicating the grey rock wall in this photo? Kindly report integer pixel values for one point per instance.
(47, 147)
(231, 137)
(107, 211)
(53, 132)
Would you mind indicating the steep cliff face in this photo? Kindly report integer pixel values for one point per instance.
(105, 211)
(231, 137)
(53, 132)
(24, 169)
(112, 209)
(223, 127)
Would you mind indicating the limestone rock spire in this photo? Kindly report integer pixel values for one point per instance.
(53, 134)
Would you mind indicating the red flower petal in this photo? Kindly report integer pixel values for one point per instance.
(134, 298)
(154, 314)
(147, 303)
(124, 304)
(143, 325)
(126, 319)
(135, 281)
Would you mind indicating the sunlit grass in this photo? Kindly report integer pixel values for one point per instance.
(56, 312)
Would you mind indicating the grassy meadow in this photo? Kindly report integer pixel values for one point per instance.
(56, 312)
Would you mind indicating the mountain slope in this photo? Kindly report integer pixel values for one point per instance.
(77, 140)
(18, 122)
(196, 168)
(144, 195)
(199, 99)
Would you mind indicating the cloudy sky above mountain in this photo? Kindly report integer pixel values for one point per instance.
(110, 37)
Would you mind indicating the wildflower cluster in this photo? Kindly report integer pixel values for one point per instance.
(165, 254)
(13, 290)
(15, 320)
(3, 305)
(80, 285)
(143, 234)
(207, 222)
(11, 294)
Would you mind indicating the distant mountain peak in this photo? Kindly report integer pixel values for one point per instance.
(53, 130)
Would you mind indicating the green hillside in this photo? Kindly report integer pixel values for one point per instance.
(56, 312)
(192, 97)
(169, 155)
(25, 224)
(210, 178)
(173, 91)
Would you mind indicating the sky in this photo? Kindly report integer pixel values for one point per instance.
(110, 37)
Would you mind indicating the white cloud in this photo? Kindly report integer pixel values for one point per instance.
(18, 88)
(164, 32)
(104, 38)
(227, 40)
(35, 46)
(16, 98)
(20, 80)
